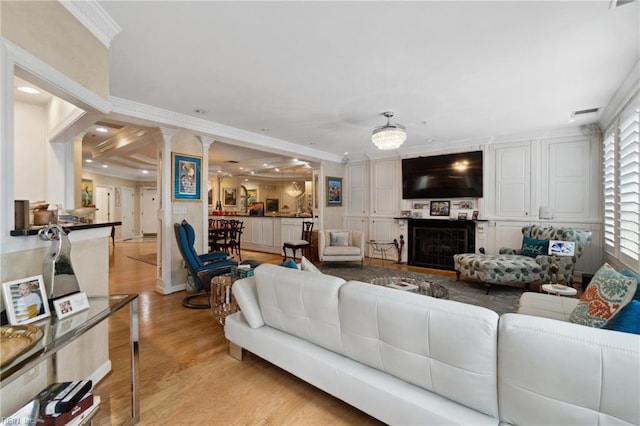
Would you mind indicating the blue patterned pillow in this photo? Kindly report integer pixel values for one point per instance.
(532, 247)
(631, 274)
(627, 320)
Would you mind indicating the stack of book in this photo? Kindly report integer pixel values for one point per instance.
(67, 403)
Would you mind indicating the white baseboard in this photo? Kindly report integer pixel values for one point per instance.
(100, 372)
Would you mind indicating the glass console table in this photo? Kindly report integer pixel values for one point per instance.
(60, 333)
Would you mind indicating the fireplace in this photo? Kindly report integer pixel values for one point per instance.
(432, 242)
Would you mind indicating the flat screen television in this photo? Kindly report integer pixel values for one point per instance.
(443, 176)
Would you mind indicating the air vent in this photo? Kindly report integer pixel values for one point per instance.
(585, 111)
(232, 161)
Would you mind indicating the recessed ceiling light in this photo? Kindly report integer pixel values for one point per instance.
(104, 166)
(144, 172)
(241, 168)
(101, 130)
(253, 173)
(29, 90)
(88, 160)
(265, 165)
(277, 169)
(246, 180)
(346, 153)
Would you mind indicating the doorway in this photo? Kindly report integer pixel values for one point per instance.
(149, 206)
(105, 204)
(128, 213)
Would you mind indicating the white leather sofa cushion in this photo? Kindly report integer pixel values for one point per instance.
(553, 372)
(246, 295)
(446, 347)
(547, 305)
(308, 311)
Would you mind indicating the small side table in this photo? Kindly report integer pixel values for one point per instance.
(559, 290)
(381, 247)
(222, 300)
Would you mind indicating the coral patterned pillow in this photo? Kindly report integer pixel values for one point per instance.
(607, 293)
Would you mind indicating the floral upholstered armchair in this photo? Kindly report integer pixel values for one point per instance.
(511, 266)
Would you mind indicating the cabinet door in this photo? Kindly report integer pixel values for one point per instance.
(570, 185)
(385, 230)
(357, 189)
(513, 180)
(384, 193)
(267, 232)
(357, 223)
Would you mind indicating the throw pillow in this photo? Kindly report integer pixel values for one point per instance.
(339, 238)
(628, 320)
(290, 264)
(306, 265)
(607, 293)
(631, 274)
(532, 247)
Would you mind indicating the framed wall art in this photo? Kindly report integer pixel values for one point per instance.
(230, 196)
(86, 195)
(334, 191)
(440, 208)
(187, 177)
(25, 300)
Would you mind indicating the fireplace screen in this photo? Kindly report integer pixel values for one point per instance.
(434, 242)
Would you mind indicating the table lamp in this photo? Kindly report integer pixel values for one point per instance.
(559, 248)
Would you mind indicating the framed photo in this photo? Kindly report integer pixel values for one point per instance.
(334, 191)
(440, 208)
(230, 196)
(71, 304)
(118, 197)
(187, 177)
(25, 300)
(474, 216)
(272, 205)
(462, 216)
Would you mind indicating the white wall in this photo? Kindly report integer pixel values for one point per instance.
(30, 152)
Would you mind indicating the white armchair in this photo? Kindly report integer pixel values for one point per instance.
(341, 245)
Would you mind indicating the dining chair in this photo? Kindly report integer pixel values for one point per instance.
(303, 243)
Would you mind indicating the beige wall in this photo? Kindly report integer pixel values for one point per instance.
(47, 30)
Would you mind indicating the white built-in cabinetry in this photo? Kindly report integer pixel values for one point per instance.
(373, 189)
(560, 176)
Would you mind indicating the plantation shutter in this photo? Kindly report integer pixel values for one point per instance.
(629, 185)
(609, 187)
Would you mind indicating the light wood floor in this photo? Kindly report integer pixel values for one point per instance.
(186, 375)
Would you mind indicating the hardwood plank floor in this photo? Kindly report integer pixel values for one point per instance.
(186, 375)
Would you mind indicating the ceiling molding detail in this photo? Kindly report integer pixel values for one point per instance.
(94, 18)
(161, 117)
(36, 71)
(629, 89)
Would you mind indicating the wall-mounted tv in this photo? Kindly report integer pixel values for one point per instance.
(443, 176)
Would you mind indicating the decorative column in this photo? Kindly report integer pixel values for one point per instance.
(206, 142)
(164, 246)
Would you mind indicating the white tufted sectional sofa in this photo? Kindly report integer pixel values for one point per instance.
(410, 359)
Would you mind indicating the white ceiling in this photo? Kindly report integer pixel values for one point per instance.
(320, 74)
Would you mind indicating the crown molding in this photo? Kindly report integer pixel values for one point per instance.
(628, 90)
(162, 118)
(94, 18)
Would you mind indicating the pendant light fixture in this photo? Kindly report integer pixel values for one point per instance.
(389, 136)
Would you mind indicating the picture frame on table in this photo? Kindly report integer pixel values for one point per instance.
(26, 300)
(440, 208)
(230, 196)
(334, 191)
(70, 304)
(186, 177)
(462, 216)
(474, 215)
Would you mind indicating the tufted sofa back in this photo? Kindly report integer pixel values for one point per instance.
(446, 347)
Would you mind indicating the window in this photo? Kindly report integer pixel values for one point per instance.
(621, 186)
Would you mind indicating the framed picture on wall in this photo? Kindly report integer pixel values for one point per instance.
(230, 196)
(334, 191)
(87, 192)
(187, 177)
